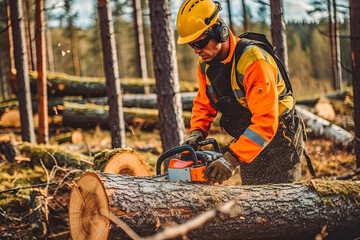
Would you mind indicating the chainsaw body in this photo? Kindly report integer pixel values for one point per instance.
(189, 165)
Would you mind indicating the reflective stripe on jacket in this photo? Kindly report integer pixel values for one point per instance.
(257, 85)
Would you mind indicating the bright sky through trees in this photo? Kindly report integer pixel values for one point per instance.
(295, 10)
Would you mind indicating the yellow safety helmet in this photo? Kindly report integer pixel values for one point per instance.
(194, 17)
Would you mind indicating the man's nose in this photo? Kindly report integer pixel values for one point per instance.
(197, 50)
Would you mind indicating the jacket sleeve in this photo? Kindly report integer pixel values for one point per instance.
(203, 113)
(262, 98)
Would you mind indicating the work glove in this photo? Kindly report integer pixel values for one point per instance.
(195, 137)
(221, 169)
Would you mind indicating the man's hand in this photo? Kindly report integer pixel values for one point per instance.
(221, 169)
(195, 137)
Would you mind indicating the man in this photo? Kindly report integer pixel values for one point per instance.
(246, 86)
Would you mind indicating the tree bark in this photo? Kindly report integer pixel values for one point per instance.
(12, 70)
(50, 53)
(22, 75)
(230, 19)
(279, 211)
(30, 33)
(116, 116)
(355, 53)
(337, 47)
(245, 19)
(278, 31)
(332, 46)
(43, 129)
(166, 74)
(140, 44)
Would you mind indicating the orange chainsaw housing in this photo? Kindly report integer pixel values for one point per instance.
(197, 173)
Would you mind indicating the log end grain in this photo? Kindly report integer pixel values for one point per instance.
(87, 201)
(122, 161)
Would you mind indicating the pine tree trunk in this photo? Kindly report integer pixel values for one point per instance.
(140, 44)
(166, 74)
(22, 75)
(116, 116)
(43, 129)
(12, 70)
(245, 19)
(278, 31)
(50, 53)
(337, 47)
(230, 16)
(279, 211)
(30, 33)
(332, 47)
(355, 53)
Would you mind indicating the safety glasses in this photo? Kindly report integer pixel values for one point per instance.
(201, 43)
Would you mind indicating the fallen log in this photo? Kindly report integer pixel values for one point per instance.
(49, 155)
(123, 161)
(335, 95)
(324, 128)
(61, 84)
(91, 115)
(281, 211)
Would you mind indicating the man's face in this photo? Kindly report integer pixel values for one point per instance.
(207, 51)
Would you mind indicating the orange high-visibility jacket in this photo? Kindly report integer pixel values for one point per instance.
(258, 91)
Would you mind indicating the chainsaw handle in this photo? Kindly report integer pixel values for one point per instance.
(211, 141)
(174, 151)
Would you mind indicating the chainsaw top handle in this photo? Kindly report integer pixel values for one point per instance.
(174, 151)
(211, 141)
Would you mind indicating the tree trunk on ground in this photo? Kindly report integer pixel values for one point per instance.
(116, 116)
(166, 74)
(43, 129)
(230, 16)
(91, 115)
(322, 127)
(355, 53)
(245, 19)
(140, 44)
(61, 84)
(278, 32)
(122, 161)
(22, 75)
(279, 211)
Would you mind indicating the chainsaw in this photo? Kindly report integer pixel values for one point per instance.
(186, 164)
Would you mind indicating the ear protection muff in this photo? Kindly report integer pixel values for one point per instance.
(220, 32)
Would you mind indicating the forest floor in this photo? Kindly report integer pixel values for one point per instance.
(23, 217)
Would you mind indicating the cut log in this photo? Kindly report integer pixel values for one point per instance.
(61, 84)
(70, 137)
(121, 161)
(324, 128)
(281, 211)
